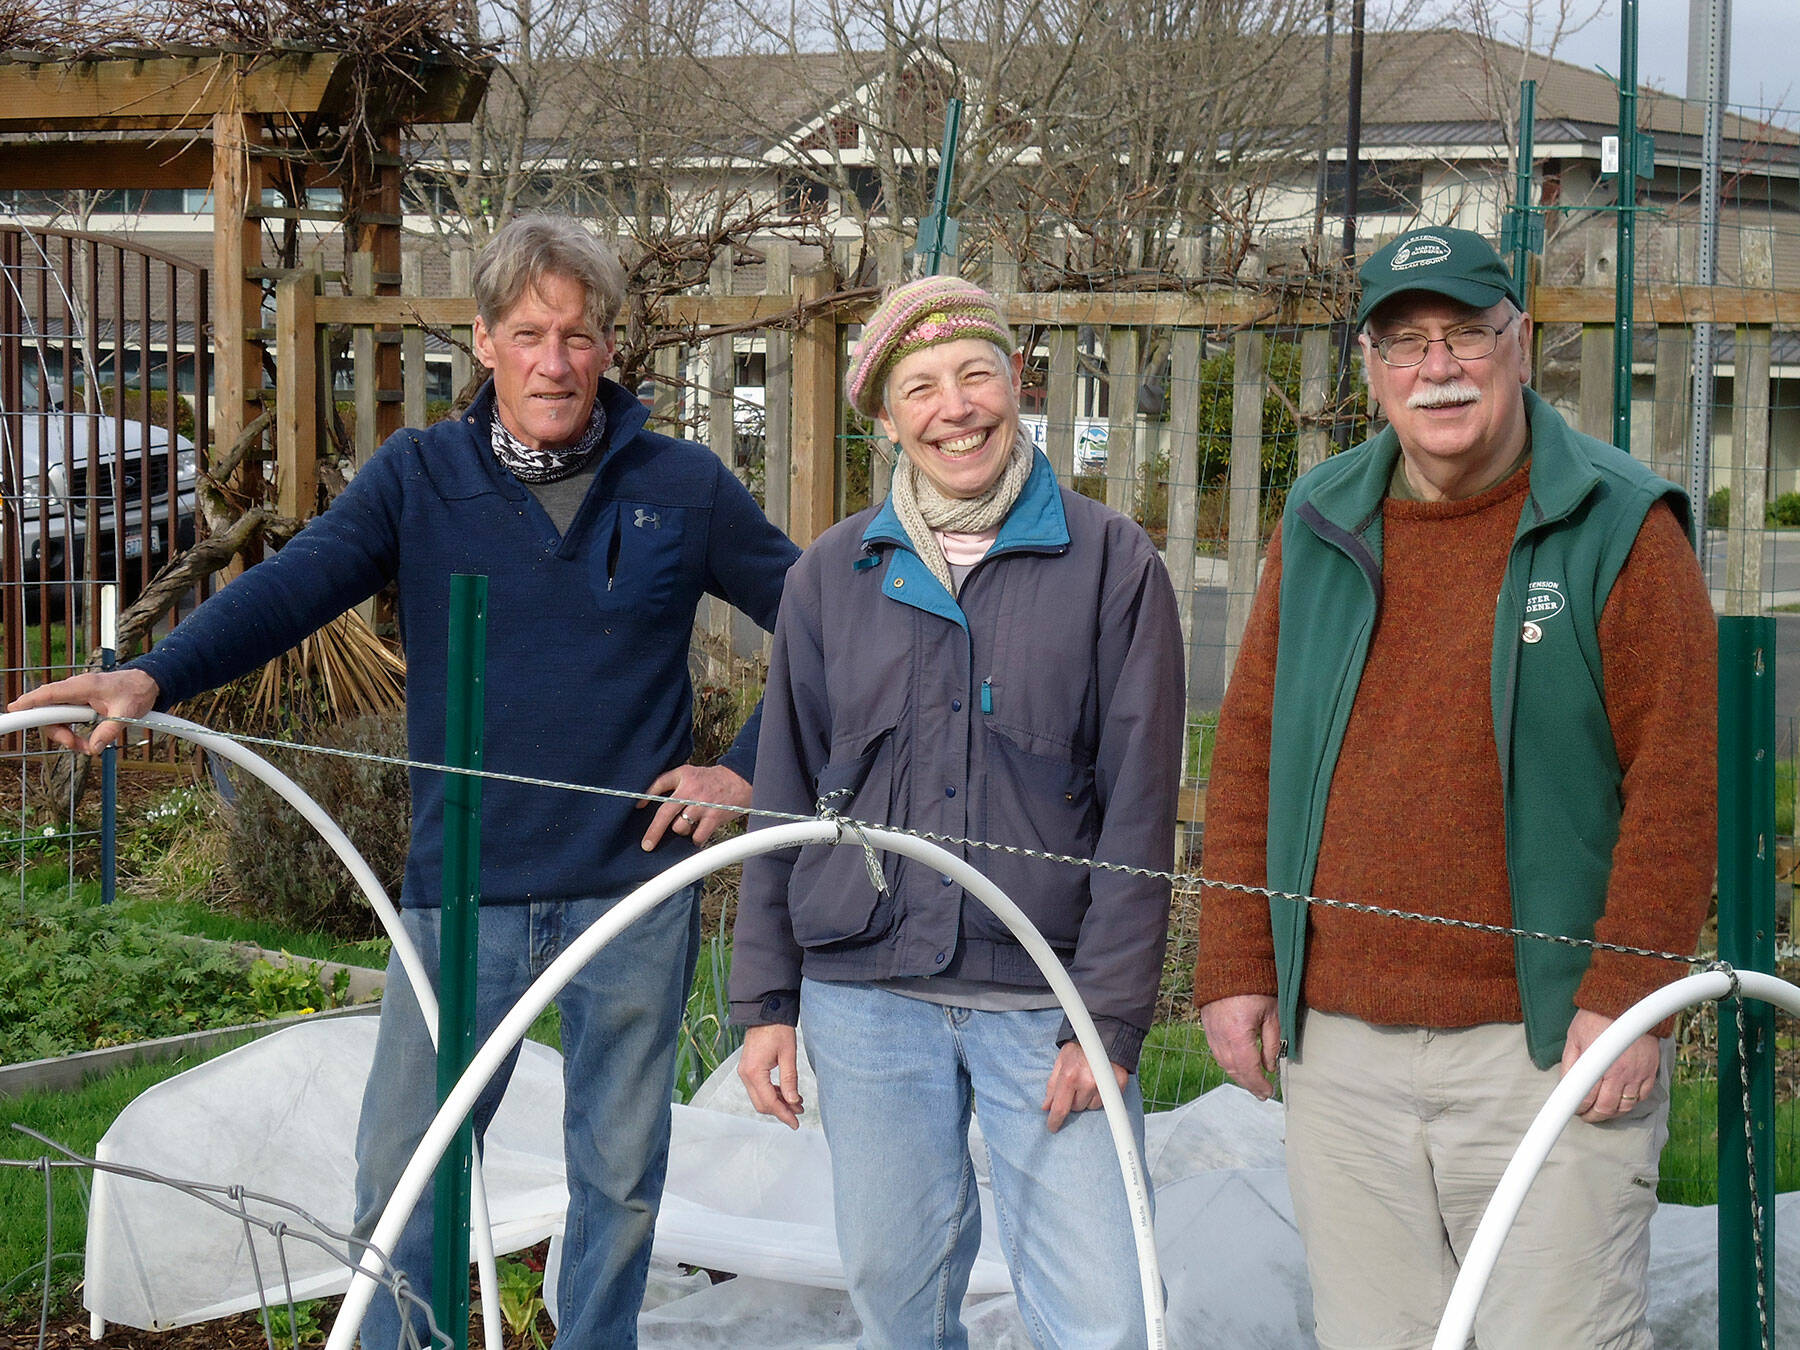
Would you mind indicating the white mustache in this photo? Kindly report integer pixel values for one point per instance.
(1442, 395)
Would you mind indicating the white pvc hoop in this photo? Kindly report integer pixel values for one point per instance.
(480, 1228)
(1497, 1221)
(534, 1000)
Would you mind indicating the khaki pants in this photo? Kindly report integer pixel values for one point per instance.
(1396, 1138)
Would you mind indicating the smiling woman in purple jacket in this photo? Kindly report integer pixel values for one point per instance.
(984, 656)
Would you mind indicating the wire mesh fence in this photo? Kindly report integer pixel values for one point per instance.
(1191, 405)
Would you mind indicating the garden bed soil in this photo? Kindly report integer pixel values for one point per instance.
(243, 1332)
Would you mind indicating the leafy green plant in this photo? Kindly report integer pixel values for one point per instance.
(521, 1300)
(301, 1326)
(294, 987)
(74, 976)
(1718, 509)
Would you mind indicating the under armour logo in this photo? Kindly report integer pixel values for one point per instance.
(649, 518)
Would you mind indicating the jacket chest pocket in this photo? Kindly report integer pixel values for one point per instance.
(643, 557)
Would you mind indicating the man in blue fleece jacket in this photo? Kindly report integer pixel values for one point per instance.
(598, 539)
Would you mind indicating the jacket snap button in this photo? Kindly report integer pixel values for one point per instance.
(949, 792)
(940, 958)
(899, 582)
(956, 705)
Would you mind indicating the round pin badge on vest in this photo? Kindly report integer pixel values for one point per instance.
(1531, 632)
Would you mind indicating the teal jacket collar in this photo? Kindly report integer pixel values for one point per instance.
(1035, 524)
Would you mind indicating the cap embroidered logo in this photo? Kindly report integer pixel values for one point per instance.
(1421, 251)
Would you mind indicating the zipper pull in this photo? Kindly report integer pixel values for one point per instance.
(987, 695)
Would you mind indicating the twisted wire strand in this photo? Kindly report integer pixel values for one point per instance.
(1182, 880)
(345, 1248)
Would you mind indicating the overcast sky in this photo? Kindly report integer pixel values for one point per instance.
(1765, 40)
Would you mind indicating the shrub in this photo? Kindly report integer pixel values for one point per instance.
(1718, 509)
(1785, 510)
(159, 407)
(280, 866)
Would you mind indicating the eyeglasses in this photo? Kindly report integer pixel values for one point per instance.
(1471, 342)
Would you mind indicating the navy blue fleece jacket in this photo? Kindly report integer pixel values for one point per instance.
(587, 632)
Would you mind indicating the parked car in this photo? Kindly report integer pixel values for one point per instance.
(64, 473)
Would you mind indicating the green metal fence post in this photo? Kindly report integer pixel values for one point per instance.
(1625, 272)
(1746, 941)
(1522, 234)
(463, 719)
(938, 231)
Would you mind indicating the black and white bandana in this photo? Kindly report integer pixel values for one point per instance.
(550, 464)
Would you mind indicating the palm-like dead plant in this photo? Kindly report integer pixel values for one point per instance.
(341, 672)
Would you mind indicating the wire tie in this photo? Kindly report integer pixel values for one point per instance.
(1725, 968)
(827, 811)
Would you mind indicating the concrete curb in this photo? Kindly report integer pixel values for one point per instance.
(71, 1071)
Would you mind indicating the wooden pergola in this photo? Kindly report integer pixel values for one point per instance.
(211, 119)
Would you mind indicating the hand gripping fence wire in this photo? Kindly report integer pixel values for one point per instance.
(517, 1022)
(828, 826)
(232, 749)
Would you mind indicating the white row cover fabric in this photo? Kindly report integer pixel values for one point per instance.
(744, 1194)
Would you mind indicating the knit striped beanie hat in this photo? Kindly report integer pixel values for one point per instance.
(920, 314)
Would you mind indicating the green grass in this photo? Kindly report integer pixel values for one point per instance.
(76, 1120)
(1690, 1162)
(1196, 764)
(1176, 1066)
(60, 663)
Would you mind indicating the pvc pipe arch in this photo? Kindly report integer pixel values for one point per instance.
(634, 906)
(288, 790)
(543, 990)
(1560, 1108)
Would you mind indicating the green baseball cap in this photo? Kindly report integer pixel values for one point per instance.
(1458, 263)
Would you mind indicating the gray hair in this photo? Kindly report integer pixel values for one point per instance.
(532, 247)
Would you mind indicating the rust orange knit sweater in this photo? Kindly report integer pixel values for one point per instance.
(1415, 818)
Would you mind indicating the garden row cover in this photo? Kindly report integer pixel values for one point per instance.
(744, 1194)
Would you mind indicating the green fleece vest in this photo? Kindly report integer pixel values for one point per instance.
(1559, 772)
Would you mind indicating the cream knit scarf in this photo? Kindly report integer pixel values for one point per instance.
(922, 508)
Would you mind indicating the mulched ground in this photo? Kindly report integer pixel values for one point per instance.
(244, 1332)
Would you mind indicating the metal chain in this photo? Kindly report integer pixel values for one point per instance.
(1186, 880)
(1766, 1340)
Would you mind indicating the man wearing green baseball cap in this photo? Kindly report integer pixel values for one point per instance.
(1477, 684)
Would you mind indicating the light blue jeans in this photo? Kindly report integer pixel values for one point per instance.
(620, 1017)
(897, 1081)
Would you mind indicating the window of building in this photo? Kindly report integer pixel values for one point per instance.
(1383, 187)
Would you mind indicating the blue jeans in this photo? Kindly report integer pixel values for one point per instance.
(620, 1017)
(898, 1079)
